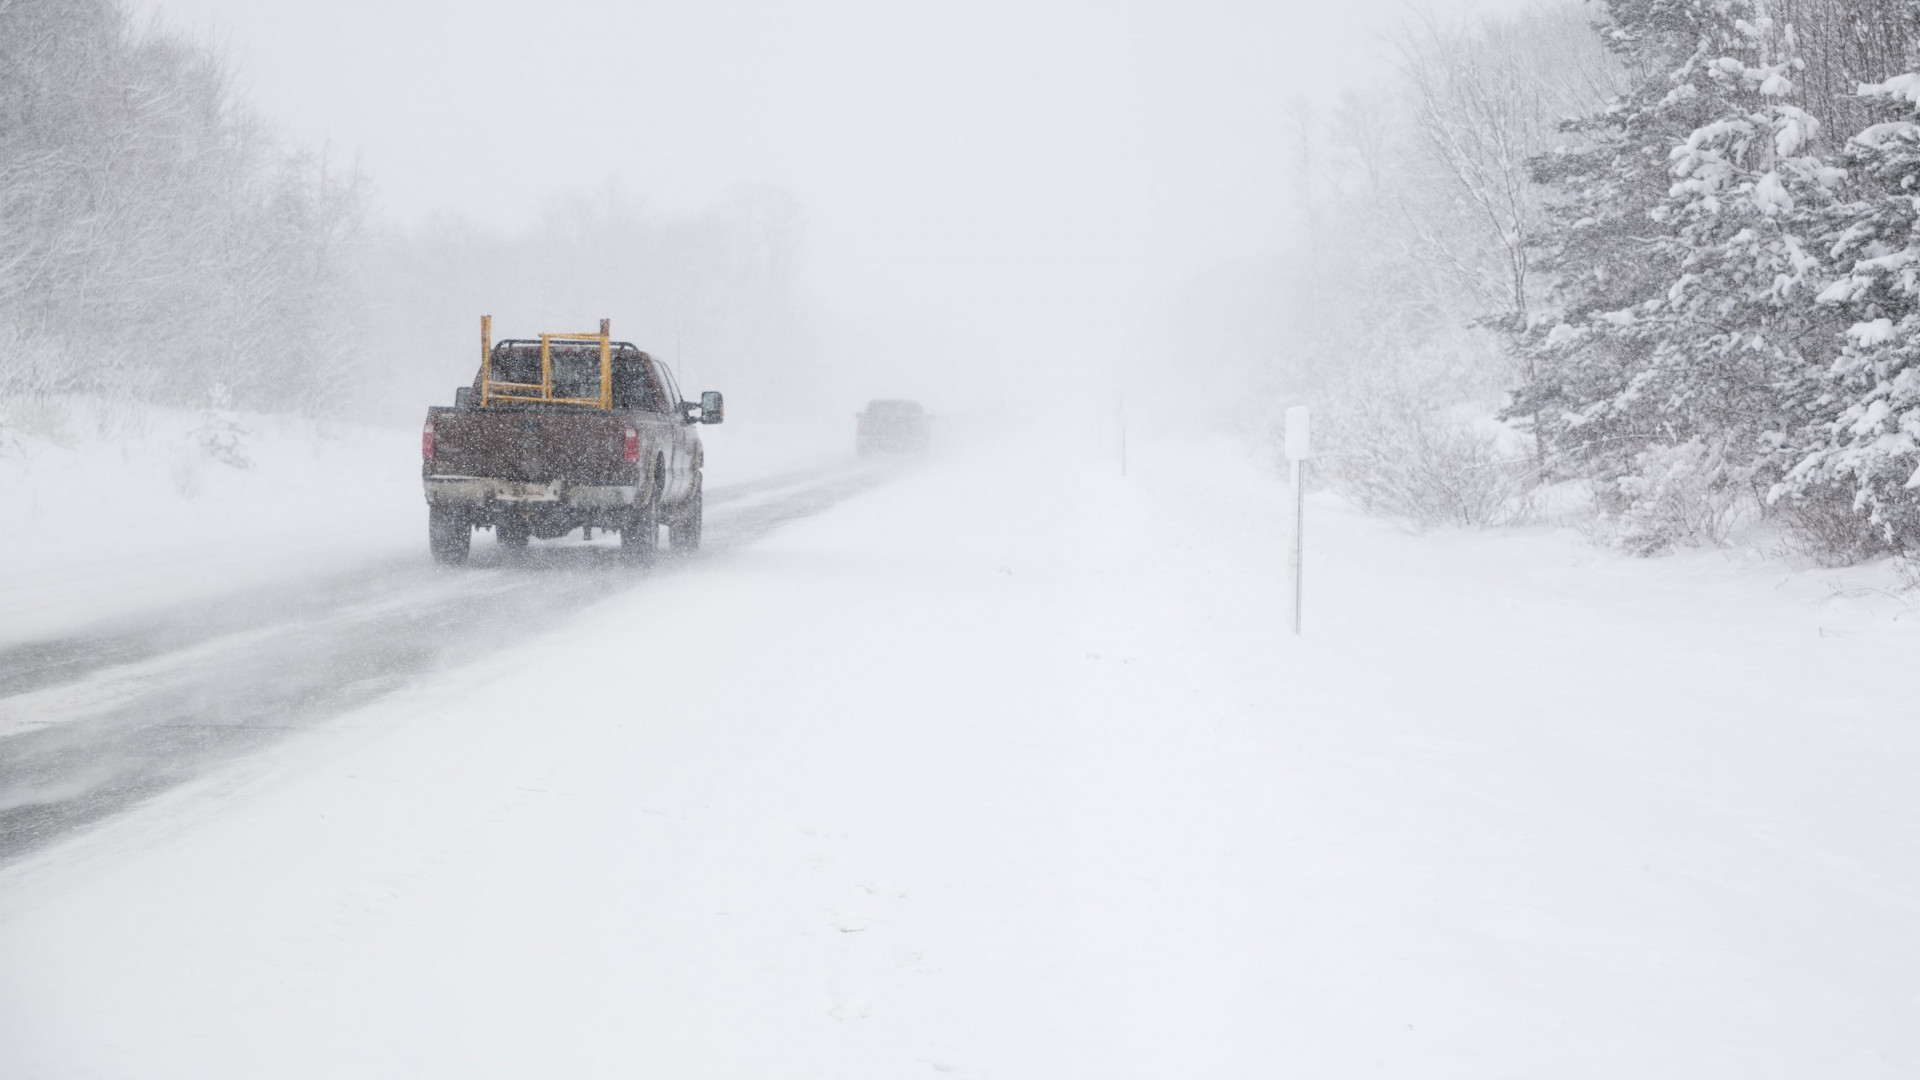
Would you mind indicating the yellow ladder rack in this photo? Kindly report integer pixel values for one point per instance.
(542, 391)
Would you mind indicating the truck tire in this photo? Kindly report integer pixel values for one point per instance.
(640, 536)
(683, 532)
(449, 536)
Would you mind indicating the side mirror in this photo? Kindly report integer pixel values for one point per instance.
(463, 397)
(713, 408)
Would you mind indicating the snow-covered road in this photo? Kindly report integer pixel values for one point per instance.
(91, 724)
(1012, 770)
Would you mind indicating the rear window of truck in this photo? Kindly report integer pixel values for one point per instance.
(576, 371)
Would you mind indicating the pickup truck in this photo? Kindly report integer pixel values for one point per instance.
(565, 432)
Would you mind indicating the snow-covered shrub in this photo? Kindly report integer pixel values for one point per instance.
(10, 441)
(42, 416)
(1677, 496)
(1398, 450)
(220, 435)
(1826, 523)
(1906, 570)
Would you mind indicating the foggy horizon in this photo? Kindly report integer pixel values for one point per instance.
(1041, 178)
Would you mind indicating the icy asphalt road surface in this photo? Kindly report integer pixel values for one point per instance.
(92, 725)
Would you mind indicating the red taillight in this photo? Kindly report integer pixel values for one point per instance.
(426, 442)
(630, 448)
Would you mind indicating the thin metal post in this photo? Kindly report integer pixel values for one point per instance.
(1299, 535)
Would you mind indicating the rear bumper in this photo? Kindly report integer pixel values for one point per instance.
(476, 492)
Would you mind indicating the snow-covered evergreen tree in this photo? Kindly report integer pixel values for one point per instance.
(1605, 246)
(1737, 324)
(1684, 276)
(1859, 448)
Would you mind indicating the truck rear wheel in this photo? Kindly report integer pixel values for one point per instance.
(513, 535)
(640, 536)
(449, 536)
(683, 532)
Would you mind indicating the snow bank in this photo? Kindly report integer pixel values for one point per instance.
(117, 509)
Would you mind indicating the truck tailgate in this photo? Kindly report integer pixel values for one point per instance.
(582, 446)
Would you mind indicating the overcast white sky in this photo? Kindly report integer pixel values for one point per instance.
(1059, 161)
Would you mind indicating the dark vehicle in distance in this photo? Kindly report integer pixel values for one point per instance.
(891, 427)
(564, 432)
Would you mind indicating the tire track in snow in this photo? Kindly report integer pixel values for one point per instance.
(93, 725)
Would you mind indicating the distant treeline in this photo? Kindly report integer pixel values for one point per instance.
(154, 239)
(158, 243)
(715, 292)
(1673, 241)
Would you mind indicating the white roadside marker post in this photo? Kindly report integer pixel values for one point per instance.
(1299, 450)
